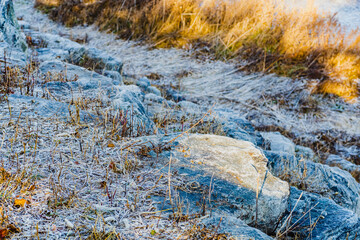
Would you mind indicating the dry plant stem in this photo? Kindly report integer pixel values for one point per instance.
(169, 181)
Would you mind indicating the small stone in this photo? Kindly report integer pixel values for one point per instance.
(126, 223)
(69, 224)
(151, 97)
(105, 209)
(144, 83)
(154, 90)
(110, 219)
(279, 143)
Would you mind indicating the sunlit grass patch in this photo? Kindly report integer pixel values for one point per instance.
(295, 42)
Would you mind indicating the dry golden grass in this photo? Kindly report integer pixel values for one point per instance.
(296, 42)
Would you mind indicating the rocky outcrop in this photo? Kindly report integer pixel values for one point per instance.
(330, 182)
(130, 99)
(243, 166)
(227, 178)
(45, 108)
(335, 160)
(94, 59)
(241, 129)
(9, 27)
(74, 76)
(314, 217)
(231, 169)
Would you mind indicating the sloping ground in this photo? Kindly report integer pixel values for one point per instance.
(328, 125)
(85, 156)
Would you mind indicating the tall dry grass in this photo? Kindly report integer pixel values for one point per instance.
(271, 36)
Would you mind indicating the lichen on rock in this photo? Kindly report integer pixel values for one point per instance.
(9, 27)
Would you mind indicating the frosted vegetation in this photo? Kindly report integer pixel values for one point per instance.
(180, 120)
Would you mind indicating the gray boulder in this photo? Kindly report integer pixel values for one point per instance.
(13, 56)
(235, 172)
(278, 143)
(54, 41)
(46, 108)
(129, 99)
(94, 59)
(154, 90)
(50, 54)
(75, 75)
(335, 160)
(115, 76)
(235, 227)
(9, 28)
(304, 152)
(143, 83)
(150, 98)
(241, 129)
(314, 217)
(330, 182)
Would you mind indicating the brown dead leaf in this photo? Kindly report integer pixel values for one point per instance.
(3, 232)
(111, 145)
(19, 202)
(140, 178)
(77, 134)
(53, 228)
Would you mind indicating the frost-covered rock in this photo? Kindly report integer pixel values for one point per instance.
(304, 152)
(9, 28)
(335, 160)
(143, 83)
(50, 54)
(150, 97)
(54, 41)
(241, 129)
(318, 217)
(44, 108)
(189, 107)
(13, 56)
(115, 76)
(236, 227)
(129, 98)
(174, 95)
(94, 58)
(154, 90)
(330, 182)
(75, 75)
(278, 143)
(237, 171)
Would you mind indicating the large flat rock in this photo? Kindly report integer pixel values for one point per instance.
(238, 172)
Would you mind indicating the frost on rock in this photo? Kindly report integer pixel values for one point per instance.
(76, 75)
(239, 173)
(129, 99)
(320, 218)
(9, 27)
(331, 182)
(278, 143)
(94, 58)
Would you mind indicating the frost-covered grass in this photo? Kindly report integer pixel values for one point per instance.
(62, 179)
(272, 37)
(89, 178)
(59, 180)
